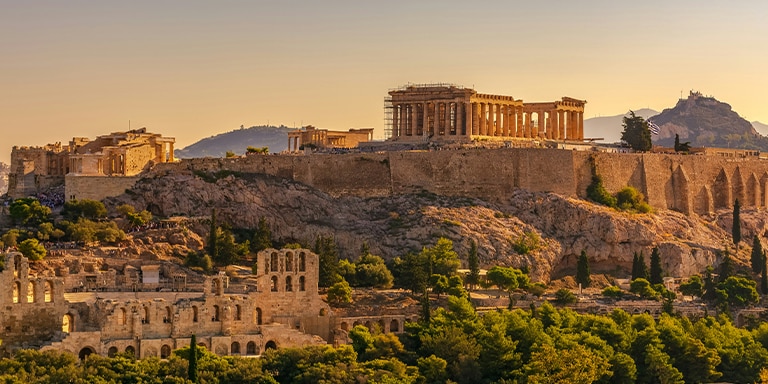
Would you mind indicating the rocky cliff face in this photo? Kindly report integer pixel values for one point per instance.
(706, 122)
(398, 224)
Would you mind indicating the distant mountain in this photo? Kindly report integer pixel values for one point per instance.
(706, 122)
(609, 128)
(276, 138)
(760, 128)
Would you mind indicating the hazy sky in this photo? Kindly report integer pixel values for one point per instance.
(192, 69)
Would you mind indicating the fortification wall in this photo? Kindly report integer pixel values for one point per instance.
(96, 187)
(690, 184)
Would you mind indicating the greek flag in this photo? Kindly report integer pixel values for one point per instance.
(653, 127)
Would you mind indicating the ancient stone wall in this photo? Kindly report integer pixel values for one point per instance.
(690, 184)
(96, 187)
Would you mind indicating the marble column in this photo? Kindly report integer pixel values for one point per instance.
(171, 157)
(459, 118)
(395, 121)
(436, 120)
(482, 127)
(581, 126)
(520, 122)
(414, 118)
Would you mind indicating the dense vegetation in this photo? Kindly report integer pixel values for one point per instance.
(546, 345)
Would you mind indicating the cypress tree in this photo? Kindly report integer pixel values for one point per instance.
(764, 277)
(736, 229)
(192, 369)
(639, 269)
(656, 272)
(757, 259)
(213, 247)
(726, 266)
(474, 264)
(582, 270)
(262, 238)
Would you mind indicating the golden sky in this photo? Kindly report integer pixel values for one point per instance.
(192, 69)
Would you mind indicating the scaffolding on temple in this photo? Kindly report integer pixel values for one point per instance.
(388, 109)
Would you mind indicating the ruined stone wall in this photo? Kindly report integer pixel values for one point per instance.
(137, 158)
(687, 183)
(96, 187)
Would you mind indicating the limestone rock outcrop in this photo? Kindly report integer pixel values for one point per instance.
(394, 225)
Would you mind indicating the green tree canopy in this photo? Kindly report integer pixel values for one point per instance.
(757, 257)
(636, 133)
(656, 273)
(85, 208)
(32, 249)
(28, 212)
(736, 228)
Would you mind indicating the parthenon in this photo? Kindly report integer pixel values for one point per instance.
(450, 112)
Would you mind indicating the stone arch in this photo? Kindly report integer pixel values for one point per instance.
(344, 326)
(302, 262)
(258, 316)
(112, 351)
(722, 191)
(216, 313)
(238, 312)
(165, 351)
(17, 266)
(680, 191)
(68, 323)
(145, 315)
(130, 350)
(302, 284)
(289, 262)
(739, 190)
(394, 326)
(31, 292)
(85, 352)
(273, 262)
(704, 203)
(356, 323)
(369, 325)
(288, 284)
(121, 316)
(270, 345)
(273, 288)
(48, 291)
(16, 291)
(753, 191)
(235, 348)
(250, 349)
(194, 314)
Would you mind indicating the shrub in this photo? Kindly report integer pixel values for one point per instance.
(527, 242)
(613, 292)
(565, 296)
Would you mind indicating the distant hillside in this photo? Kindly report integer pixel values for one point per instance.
(276, 138)
(609, 127)
(760, 128)
(707, 122)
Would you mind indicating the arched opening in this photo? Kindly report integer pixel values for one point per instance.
(289, 262)
(67, 325)
(394, 326)
(274, 284)
(165, 351)
(380, 326)
(235, 349)
(31, 292)
(270, 345)
(48, 291)
(273, 262)
(130, 350)
(322, 312)
(250, 348)
(215, 316)
(356, 323)
(145, 315)
(112, 351)
(288, 284)
(168, 315)
(302, 284)
(202, 345)
(238, 312)
(258, 316)
(85, 352)
(121, 316)
(16, 266)
(344, 326)
(194, 314)
(16, 290)
(302, 262)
